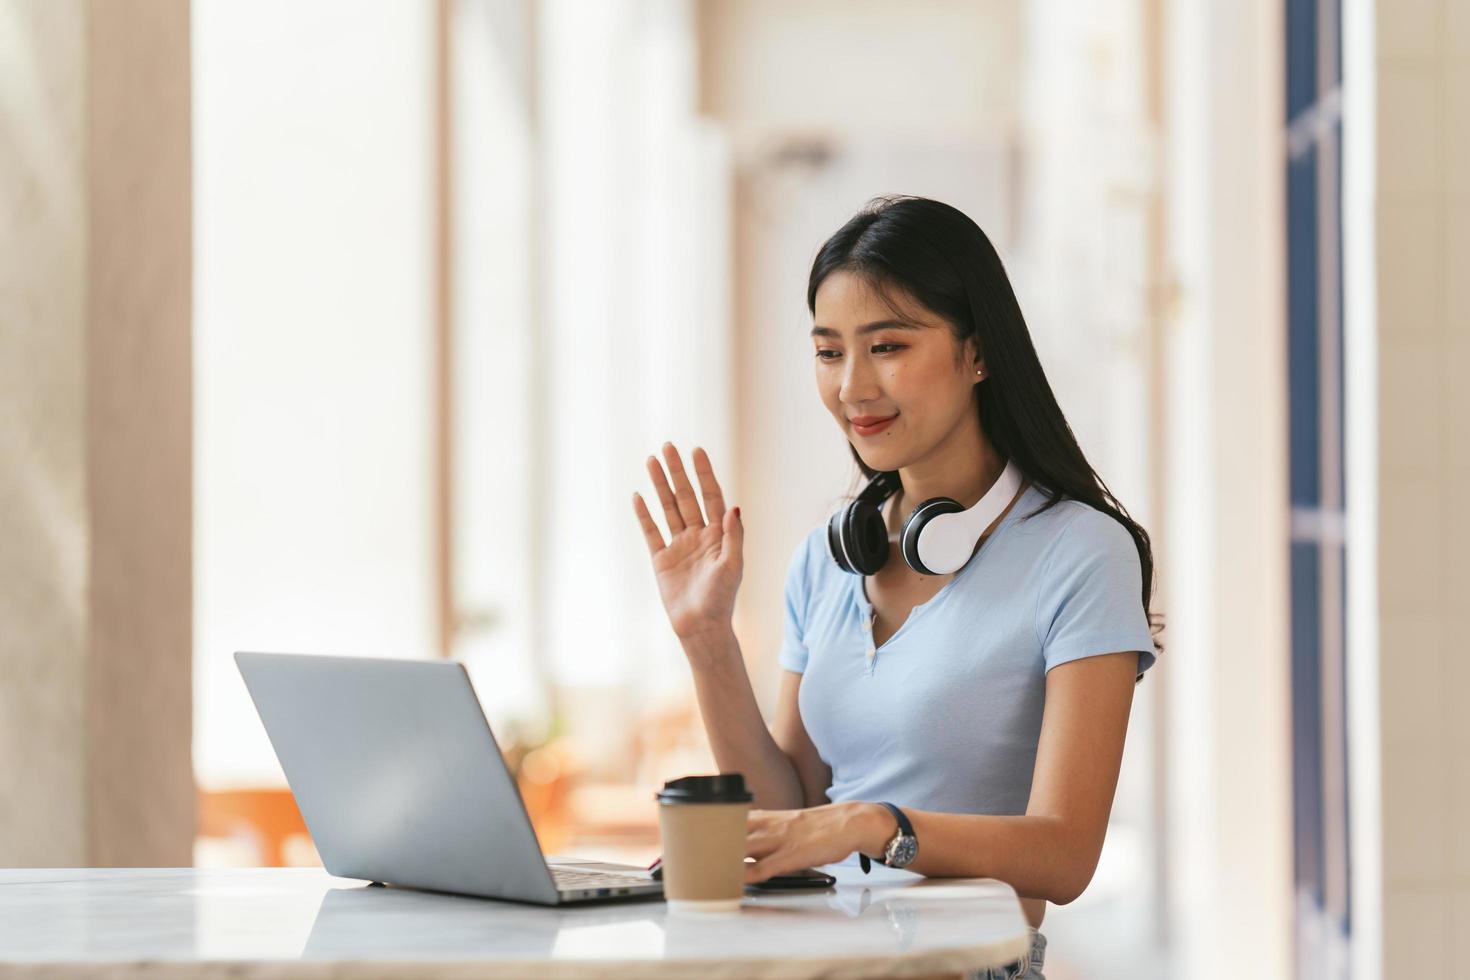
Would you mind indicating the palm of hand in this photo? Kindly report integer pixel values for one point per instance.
(693, 578)
(699, 569)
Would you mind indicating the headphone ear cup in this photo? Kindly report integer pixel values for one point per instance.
(834, 539)
(867, 537)
(857, 535)
(857, 538)
(914, 526)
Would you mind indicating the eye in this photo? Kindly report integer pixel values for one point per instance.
(879, 349)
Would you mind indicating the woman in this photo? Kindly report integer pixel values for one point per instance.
(988, 705)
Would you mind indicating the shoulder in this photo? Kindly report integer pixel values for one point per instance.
(1079, 534)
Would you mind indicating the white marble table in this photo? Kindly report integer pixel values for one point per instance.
(280, 922)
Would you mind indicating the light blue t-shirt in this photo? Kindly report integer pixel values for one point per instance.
(946, 714)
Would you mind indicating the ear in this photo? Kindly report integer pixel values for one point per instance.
(972, 352)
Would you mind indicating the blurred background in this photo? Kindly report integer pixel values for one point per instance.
(346, 327)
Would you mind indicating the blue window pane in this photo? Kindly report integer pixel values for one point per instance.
(1301, 55)
(1340, 408)
(1303, 364)
(1306, 716)
(1346, 775)
(1309, 417)
(1336, 42)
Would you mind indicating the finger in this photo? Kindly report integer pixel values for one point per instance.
(709, 487)
(733, 542)
(683, 489)
(665, 496)
(757, 828)
(763, 833)
(758, 845)
(767, 867)
(651, 535)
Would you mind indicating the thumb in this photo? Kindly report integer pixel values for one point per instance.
(734, 540)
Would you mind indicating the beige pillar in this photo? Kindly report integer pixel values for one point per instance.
(95, 434)
(1408, 252)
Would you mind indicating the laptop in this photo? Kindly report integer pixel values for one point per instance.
(400, 781)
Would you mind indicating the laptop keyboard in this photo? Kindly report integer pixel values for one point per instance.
(568, 879)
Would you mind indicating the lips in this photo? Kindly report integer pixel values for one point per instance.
(868, 425)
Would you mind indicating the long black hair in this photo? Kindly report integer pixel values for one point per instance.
(941, 258)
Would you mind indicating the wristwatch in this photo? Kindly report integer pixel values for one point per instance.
(902, 849)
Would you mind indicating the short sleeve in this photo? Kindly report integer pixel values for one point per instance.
(1091, 597)
(793, 654)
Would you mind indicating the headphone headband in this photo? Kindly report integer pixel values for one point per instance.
(881, 487)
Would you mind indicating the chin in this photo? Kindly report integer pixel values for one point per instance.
(884, 459)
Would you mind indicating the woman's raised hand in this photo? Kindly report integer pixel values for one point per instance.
(699, 570)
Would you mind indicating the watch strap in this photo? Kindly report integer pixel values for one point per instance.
(903, 820)
(904, 827)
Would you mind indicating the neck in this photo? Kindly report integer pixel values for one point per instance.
(964, 466)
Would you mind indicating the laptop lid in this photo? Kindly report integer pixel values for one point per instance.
(397, 774)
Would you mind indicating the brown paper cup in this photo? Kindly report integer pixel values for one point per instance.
(703, 855)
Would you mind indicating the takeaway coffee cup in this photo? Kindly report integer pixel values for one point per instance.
(702, 822)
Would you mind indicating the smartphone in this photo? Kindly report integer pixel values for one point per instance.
(805, 878)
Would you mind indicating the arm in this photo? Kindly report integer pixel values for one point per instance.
(784, 771)
(791, 735)
(1050, 852)
(698, 572)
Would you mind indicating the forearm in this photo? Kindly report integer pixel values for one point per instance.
(1038, 856)
(738, 735)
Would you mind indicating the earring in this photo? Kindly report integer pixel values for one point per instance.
(981, 373)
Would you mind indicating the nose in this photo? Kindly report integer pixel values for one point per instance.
(859, 382)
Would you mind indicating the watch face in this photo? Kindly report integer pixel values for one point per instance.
(900, 851)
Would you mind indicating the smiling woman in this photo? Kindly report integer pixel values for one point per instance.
(969, 723)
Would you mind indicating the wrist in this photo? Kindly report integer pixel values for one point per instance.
(872, 828)
(708, 643)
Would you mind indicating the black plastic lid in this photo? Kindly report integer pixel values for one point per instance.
(727, 787)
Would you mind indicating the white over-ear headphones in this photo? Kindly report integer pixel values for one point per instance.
(938, 536)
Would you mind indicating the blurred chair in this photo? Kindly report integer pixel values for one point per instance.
(267, 818)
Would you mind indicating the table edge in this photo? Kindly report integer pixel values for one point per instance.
(955, 959)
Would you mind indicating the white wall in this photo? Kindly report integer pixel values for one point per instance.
(495, 367)
(313, 330)
(844, 66)
(1226, 508)
(635, 334)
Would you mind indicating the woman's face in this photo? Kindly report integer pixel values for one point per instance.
(871, 366)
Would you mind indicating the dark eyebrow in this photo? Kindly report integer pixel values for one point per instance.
(871, 328)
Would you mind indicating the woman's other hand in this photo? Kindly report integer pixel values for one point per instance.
(699, 569)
